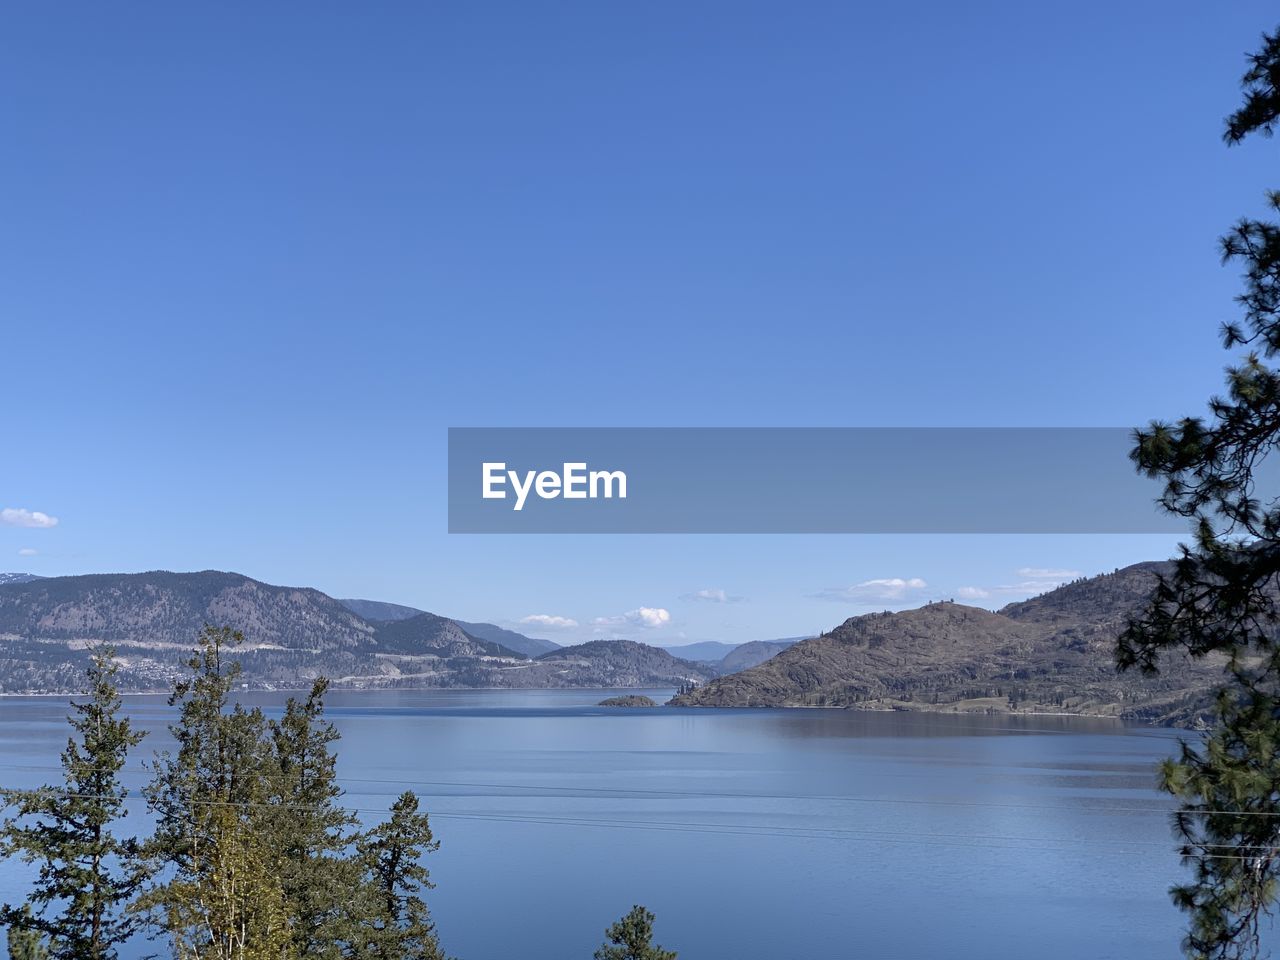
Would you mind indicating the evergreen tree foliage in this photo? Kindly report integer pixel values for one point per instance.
(398, 925)
(87, 874)
(312, 834)
(1220, 600)
(631, 938)
(222, 896)
(259, 859)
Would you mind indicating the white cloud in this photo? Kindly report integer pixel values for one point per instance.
(711, 596)
(21, 517)
(27, 552)
(882, 590)
(1048, 573)
(648, 617)
(1033, 580)
(549, 621)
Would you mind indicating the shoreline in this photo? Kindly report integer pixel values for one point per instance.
(289, 691)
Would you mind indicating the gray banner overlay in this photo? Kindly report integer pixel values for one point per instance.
(799, 480)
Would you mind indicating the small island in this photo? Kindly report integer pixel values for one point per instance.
(629, 700)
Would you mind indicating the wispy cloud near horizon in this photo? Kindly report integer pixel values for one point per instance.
(549, 621)
(1048, 573)
(880, 590)
(1035, 580)
(711, 596)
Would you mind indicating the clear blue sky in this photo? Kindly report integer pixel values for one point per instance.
(255, 259)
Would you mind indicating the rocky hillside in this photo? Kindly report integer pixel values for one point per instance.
(1104, 601)
(293, 634)
(1050, 654)
(160, 609)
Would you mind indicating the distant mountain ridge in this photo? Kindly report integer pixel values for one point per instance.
(529, 646)
(731, 657)
(293, 634)
(704, 651)
(747, 655)
(1052, 653)
(381, 611)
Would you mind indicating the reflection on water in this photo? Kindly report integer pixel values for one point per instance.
(753, 834)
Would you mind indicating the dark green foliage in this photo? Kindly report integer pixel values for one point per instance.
(311, 833)
(631, 938)
(399, 926)
(1261, 93)
(1219, 600)
(87, 875)
(220, 758)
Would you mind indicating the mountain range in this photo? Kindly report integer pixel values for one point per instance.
(1051, 653)
(292, 635)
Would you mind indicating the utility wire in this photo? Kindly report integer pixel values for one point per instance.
(624, 792)
(820, 833)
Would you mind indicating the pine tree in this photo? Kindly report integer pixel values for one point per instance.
(631, 938)
(312, 834)
(222, 896)
(87, 874)
(397, 923)
(1221, 596)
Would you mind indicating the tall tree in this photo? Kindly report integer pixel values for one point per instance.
(87, 874)
(631, 938)
(1221, 597)
(221, 896)
(312, 834)
(397, 924)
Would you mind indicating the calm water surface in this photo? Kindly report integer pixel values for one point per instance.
(753, 834)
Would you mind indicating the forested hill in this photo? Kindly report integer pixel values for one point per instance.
(292, 635)
(1053, 653)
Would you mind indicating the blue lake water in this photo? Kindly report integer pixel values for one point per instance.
(752, 834)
